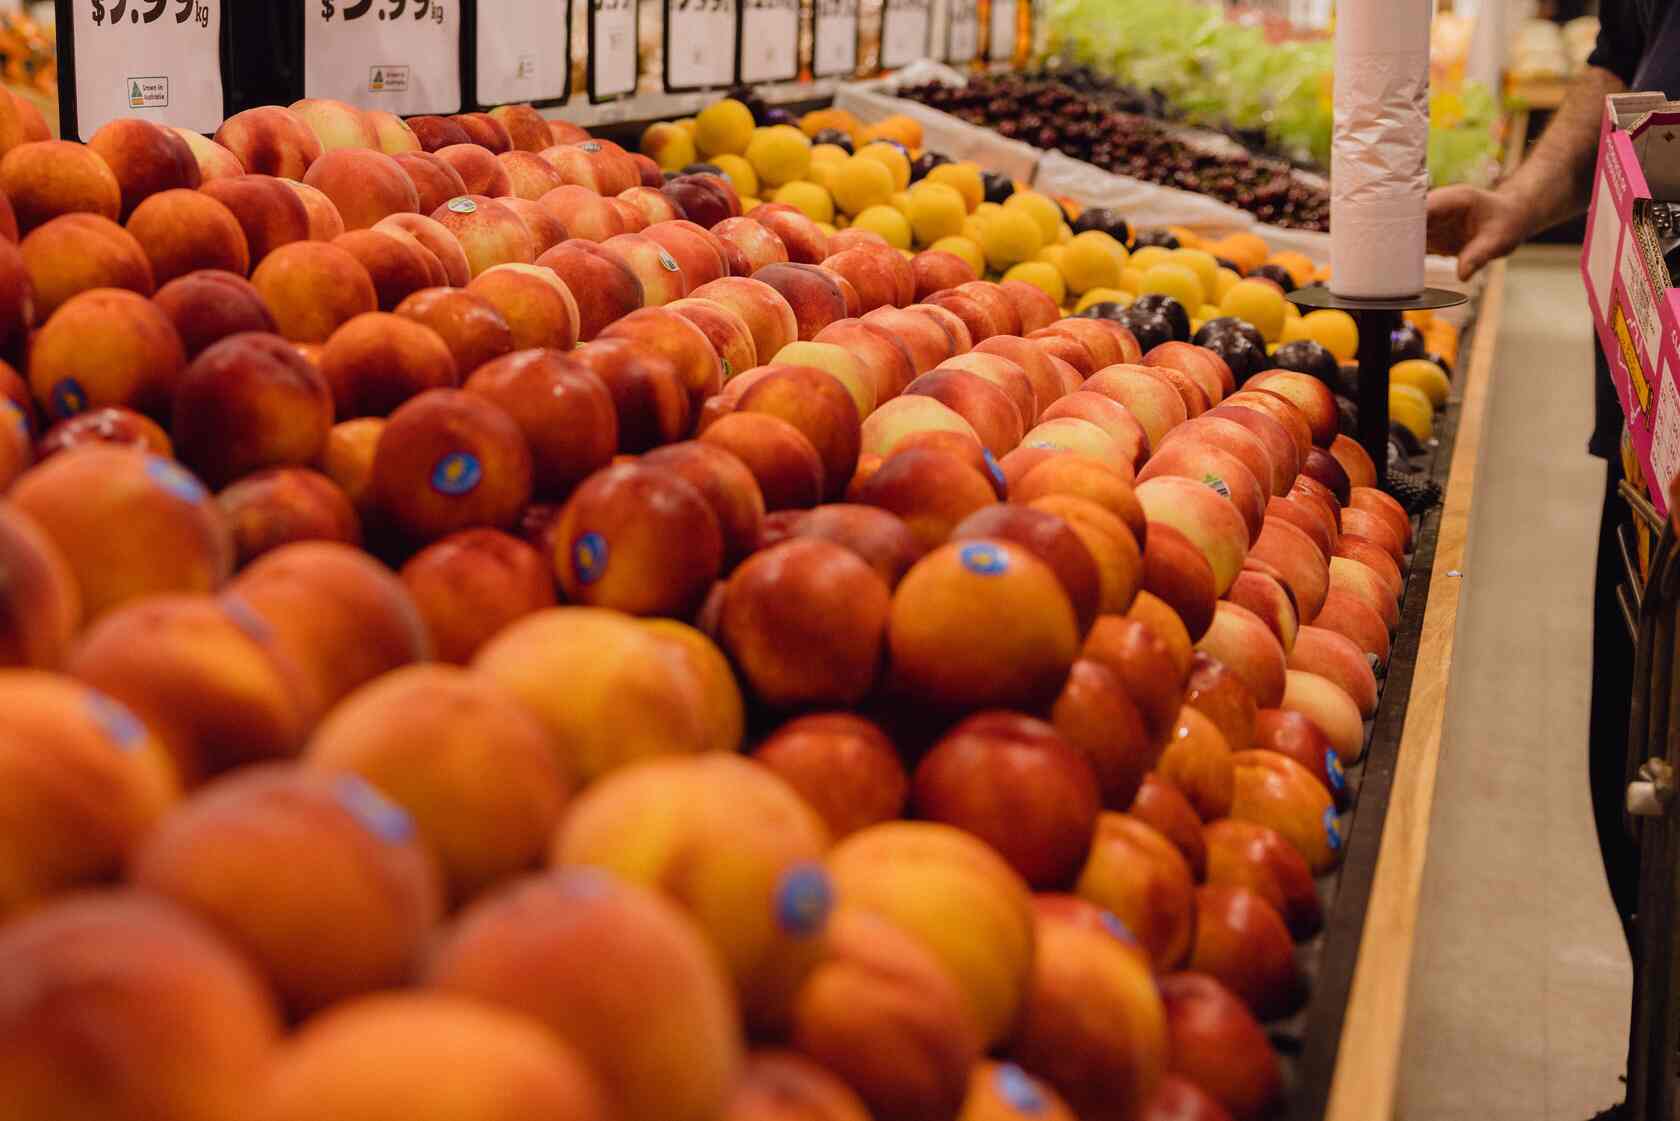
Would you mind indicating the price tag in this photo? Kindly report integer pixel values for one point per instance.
(905, 32)
(834, 35)
(769, 41)
(962, 37)
(700, 37)
(1000, 45)
(524, 51)
(402, 56)
(157, 59)
(613, 58)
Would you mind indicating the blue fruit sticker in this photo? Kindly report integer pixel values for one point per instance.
(1017, 1087)
(983, 559)
(456, 474)
(1332, 829)
(463, 205)
(1117, 927)
(1333, 768)
(68, 398)
(175, 479)
(17, 415)
(999, 480)
(120, 726)
(589, 557)
(373, 811)
(804, 898)
(239, 613)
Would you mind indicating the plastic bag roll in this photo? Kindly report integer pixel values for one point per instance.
(1379, 156)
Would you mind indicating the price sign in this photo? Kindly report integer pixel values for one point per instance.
(157, 59)
(905, 32)
(523, 50)
(700, 37)
(769, 41)
(613, 58)
(962, 37)
(1001, 31)
(834, 35)
(402, 56)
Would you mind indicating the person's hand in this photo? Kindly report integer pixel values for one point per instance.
(1475, 225)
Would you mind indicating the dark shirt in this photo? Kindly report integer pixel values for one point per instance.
(1639, 42)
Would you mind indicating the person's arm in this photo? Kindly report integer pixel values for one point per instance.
(1553, 184)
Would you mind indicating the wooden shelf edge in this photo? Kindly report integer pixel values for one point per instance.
(1368, 1058)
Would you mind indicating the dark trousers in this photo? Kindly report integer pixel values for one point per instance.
(1612, 688)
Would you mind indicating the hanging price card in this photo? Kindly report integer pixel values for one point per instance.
(905, 26)
(962, 37)
(402, 56)
(523, 50)
(834, 38)
(157, 59)
(700, 40)
(613, 61)
(1001, 31)
(769, 41)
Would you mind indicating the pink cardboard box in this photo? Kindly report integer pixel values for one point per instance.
(1636, 314)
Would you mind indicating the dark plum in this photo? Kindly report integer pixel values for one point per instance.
(1309, 357)
(1106, 219)
(998, 186)
(1277, 274)
(1160, 238)
(1406, 341)
(1171, 309)
(780, 116)
(1150, 328)
(1228, 323)
(1244, 358)
(702, 169)
(926, 162)
(832, 136)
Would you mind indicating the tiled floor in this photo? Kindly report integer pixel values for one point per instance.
(1519, 995)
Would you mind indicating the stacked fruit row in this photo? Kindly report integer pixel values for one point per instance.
(295, 835)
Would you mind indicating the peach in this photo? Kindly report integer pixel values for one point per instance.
(1211, 522)
(1256, 858)
(884, 542)
(17, 291)
(651, 402)
(723, 712)
(612, 547)
(1071, 353)
(396, 263)
(758, 243)
(926, 340)
(485, 131)
(450, 460)
(325, 222)
(842, 765)
(545, 229)
(49, 178)
(214, 161)
(1093, 1025)
(1197, 760)
(126, 1006)
(428, 1047)
(889, 426)
(1275, 791)
(472, 584)
(999, 1091)
(174, 538)
(625, 692)
(584, 213)
(1176, 571)
(1033, 306)
(1373, 501)
(1265, 594)
(74, 254)
(373, 891)
(880, 275)
(1104, 345)
(699, 254)
(347, 459)
(1136, 873)
(1160, 805)
(1292, 553)
(535, 303)
(281, 505)
(603, 285)
(42, 604)
(145, 159)
(1222, 695)
(724, 329)
(786, 466)
(335, 614)
(565, 412)
(565, 132)
(1339, 660)
(1327, 705)
(1355, 460)
(1239, 443)
(364, 185)
(270, 213)
(1000, 309)
(593, 942)
(408, 731)
(666, 333)
(484, 174)
(1279, 409)
(490, 234)
(1373, 556)
(1053, 540)
(814, 295)
(58, 835)
(659, 273)
(1111, 545)
(392, 135)
(1007, 376)
(979, 317)
(1017, 785)
(1200, 365)
(819, 406)
(886, 360)
(528, 175)
(1275, 439)
(989, 410)
(250, 401)
(781, 1084)
(1100, 719)
(1217, 1045)
(1084, 477)
(527, 129)
(1322, 467)
(1307, 394)
(1154, 403)
(312, 288)
(1116, 422)
(377, 361)
(182, 230)
(1306, 488)
(932, 491)
(474, 332)
(105, 347)
(436, 240)
(1304, 514)
(435, 180)
(884, 1014)
(1145, 668)
(1163, 622)
(911, 874)
(652, 206)
(438, 132)
(269, 140)
(726, 484)
(1242, 942)
(1353, 617)
(801, 237)
(1241, 640)
(1365, 584)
